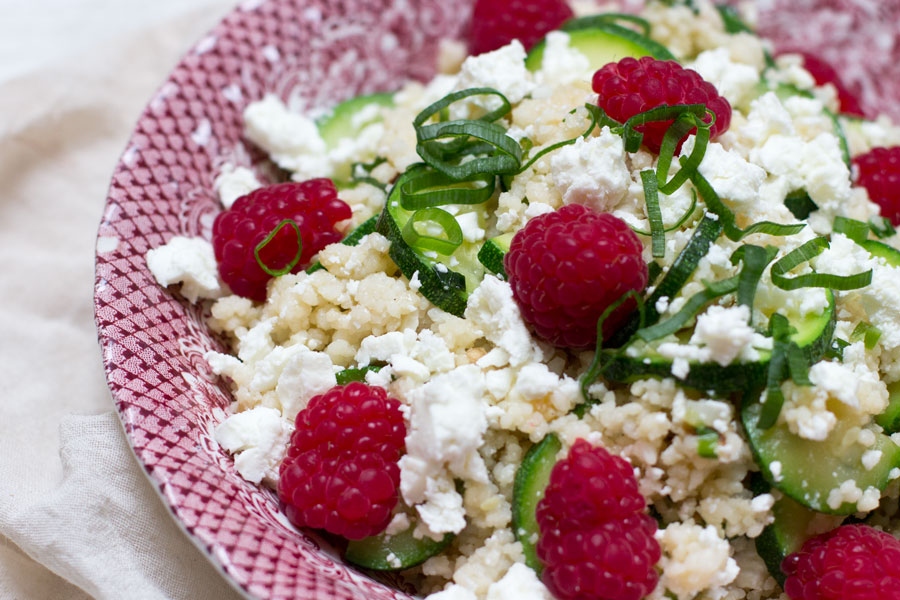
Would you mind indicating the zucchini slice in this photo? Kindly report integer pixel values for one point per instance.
(346, 119)
(403, 550)
(890, 418)
(446, 280)
(602, 42)
(810, 470)
(531, 481)
(492, 253)
(787, 533)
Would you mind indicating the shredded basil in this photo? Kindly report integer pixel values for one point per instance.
(882, 227)
(293, 263)
(433, 188)
(800, 204)
(836, 350)
(665, 112)
(651, 197)
(866, 332)
(687, 215)
(853, 229)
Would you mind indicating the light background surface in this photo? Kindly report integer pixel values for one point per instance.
(78, 519)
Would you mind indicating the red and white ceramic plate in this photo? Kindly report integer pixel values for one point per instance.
(312, 53)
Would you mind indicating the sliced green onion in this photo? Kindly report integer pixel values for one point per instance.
(506, 156)
(806, 252)
(841, 136)
(732, 231)
(445, 102)
(853, 229)
(687, 121)
(596, 114)
(866, 332)
(836, 350)
(433, 188)
(653, 271)
(732, 20)
(691, 308)
(780, 329)
(664, 112)
(882, 227)
(800, 204)
(680, 221)
(268, 239)
(597, 364)
(798, 364)
(445, 220)
(707, 441)
(651, 197)
(755, 259)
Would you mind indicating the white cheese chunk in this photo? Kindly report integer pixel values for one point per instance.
(592, 172)
(190, 262)
(258, 438)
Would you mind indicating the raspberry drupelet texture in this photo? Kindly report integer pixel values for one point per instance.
(341, 473)
(852, 562)
(495, 23)
(313, 205)
(567, 267)
(632, 86)
(596, 542)
(879, 173)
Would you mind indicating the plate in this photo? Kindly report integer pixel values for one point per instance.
(312, 53)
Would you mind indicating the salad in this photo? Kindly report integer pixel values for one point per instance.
(608, 309)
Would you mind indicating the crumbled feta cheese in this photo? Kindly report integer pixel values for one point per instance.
(519, 583)
(870, 459)
(447, 426)
(592, 171)
(775, 470)
(291, 139)
(680, 367)
(258, 438)
(190, 262)
(234, 182)
(736, 82)
(305, 374)
(471, 229)
(848, 491)
(561, 64)
(727, 334)
(453, 591)
(734, 179)
(502, 69)
(491, 308)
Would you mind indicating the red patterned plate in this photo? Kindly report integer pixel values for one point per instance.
(312, 53)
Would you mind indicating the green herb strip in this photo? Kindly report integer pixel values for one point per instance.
(293, 263)
(681, 221)
(597, 115)
(780, 330)
(433, 188)
(712, 290)
(853, 229)
(596, 367)
(633, 138)
(716, 206)
(755, 259)
(806, 252)
(683, 125)
(866, 332)
(882, 227)
(505, 157)
(651, 197)
(445, 220)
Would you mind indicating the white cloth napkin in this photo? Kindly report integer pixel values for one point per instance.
(78, 518)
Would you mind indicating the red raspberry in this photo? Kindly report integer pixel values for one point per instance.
(595, 541)
(314, 207)
(340, 473)
(879, 173)
(824, 73)
(495, 23)
(566, 267)
(633, 86)
(852, 562)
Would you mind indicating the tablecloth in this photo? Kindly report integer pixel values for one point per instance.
(78, 518)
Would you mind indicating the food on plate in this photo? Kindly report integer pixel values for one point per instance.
(609, 309)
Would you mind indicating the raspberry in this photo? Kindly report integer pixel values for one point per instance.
(852, 562)
(595, 540)
(314, 207)
(879, 173)
(340, 473)
(633, 86)
(495, 23)
(566, 267)
(824, 73)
